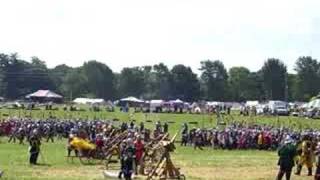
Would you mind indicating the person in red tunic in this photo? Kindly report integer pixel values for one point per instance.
(99, 143)
(139, 149)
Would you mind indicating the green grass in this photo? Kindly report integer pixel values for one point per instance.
(195, 164)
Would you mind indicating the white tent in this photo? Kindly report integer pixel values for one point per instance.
(252, 103)
(314, 103)
(131, 99)
(156, 103)
(214, 103)
(305, 105)
(89, 101)
(177, 101)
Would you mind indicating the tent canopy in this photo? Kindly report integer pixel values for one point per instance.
(252, 103)
(214, 103)
(131, 99)
(89, 101)
(44, 94)
(177, 101)
(156, 103)
(314, 103)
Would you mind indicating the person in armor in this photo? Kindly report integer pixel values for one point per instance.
(198, 140)
(34, 148)
(165, 127)
(131, 125)
(158, 127)
(317, 153)
(50, 133)
(286, 154)
(122, 147)
(14, 132)
(141, 126)
(127, 159)
(20, 135)
(124, 126)
(306, 157)
(70, 148)
(184, 134)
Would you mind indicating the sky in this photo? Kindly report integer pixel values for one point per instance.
(127, 33)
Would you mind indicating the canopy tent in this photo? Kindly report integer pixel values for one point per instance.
(214, 103)
(44, 95)
(314, 104)
(305, 105)
(177, 101)
(89, 101)
(252, 103)
(131, 99)
(156, 103)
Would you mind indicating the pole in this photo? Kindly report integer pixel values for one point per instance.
(286, 87)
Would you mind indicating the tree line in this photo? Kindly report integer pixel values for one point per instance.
(94, 79)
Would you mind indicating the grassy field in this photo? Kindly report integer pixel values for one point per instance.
(195, 164)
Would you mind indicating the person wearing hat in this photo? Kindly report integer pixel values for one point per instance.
(286, 154)
(34, 148)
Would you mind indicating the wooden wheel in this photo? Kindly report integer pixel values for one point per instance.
(92, 157)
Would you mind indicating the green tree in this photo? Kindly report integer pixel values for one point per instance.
(184, 84)
(238, 83)
(57, 74)
(14, 76)
(131, 82)
(292, 87)
(214, 79)
(308, 78)
(100, 79)
(274, 74)
(37, 76)
(162, 78)
(75, 84)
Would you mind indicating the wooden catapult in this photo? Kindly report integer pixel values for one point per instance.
(157, 163)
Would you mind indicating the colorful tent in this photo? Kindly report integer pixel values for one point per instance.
(43, 95)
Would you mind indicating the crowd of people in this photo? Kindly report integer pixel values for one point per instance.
(241, 136)
(102, 134)
(290, 143)
(295, 147)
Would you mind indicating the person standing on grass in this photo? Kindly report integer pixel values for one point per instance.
(139, 149)
(306, 157)
(317, 153)
(34, 148)
(198, 140)
(286, 154)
